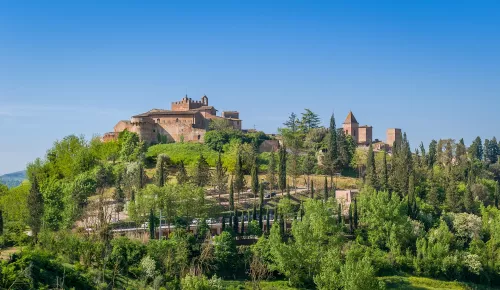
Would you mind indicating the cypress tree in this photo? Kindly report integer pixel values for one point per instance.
(223, 223)
(282, 225)
(255, 178)
(202, 173)
(182, 176)
(242, 223)
(254, 217)
(220, 177)
(282, 169)
(355, 214)
(239, 176)
(235, 222)
(325, 190)
(162, 169)
(412, 201)
(384, 180)
(312, 189)
(231, 196)
(35, 208)
(332, 156)
(301, 210)
(339, 215)
(288, 192)
(231, 220)
(469, 202)
(371, 174)
(351, 225)
(453, 199)
(151, 225)
(268, 222)
(140, 180)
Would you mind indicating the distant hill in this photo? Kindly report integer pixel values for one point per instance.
(13, 179)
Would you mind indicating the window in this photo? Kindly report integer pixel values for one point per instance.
(199, 136)
(177, 120)
(158, 121)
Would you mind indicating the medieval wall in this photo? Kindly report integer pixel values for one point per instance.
(393, 135)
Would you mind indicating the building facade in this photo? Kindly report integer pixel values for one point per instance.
(363, 135)
(187, 120)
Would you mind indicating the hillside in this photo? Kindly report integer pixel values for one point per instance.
(13, 179)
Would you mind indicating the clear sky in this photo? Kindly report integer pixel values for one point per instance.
(431, 68)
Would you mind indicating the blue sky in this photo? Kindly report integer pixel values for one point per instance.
(431, 68)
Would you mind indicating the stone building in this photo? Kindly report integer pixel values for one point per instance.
(187, 120)
(363, 135)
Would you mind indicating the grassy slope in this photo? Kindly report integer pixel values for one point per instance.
(392, 282)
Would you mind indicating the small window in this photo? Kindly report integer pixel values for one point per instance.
(177, 120)
(199, 136)
(154, 130)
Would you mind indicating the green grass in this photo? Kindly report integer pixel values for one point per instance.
(421, 283)
(188, 152)
(265, 285)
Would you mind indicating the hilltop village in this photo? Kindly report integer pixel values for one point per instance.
(189, 120)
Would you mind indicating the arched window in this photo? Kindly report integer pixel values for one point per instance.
(158, 121)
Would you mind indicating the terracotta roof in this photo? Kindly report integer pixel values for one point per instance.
(350, 119)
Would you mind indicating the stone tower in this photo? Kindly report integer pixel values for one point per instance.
(393, 135)
(351, 126)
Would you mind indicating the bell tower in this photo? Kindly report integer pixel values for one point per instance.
(351, 126)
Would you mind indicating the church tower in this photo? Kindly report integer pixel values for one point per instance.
(351, 126)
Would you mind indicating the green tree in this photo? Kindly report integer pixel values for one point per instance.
(225, 254)
(384, 178)
(308, 165)
(239, 181)
(35, 208)
(432, 156)
(476, 149)
(325, 188)
(310, 120)
(271, 170)
(261, 206)
(355, 214)
(453, 199)
(220, 177)
(151, 225)
(242, 223)
(331, 158)
(282, 169)
(231, 196)
(162, 169)
(182, 176)
(312, 189)
(201, 175)
(371, 174)
(255, 178)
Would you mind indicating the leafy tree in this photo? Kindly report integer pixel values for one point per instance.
(130, 146)
(359, 275)
(355, 214)
(225, 254)
(308, 165)
(310, 120)
(453, 199)
(201, 175)
(35, 208)
(162, 169)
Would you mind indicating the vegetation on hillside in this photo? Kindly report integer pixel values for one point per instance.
(89, 215)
